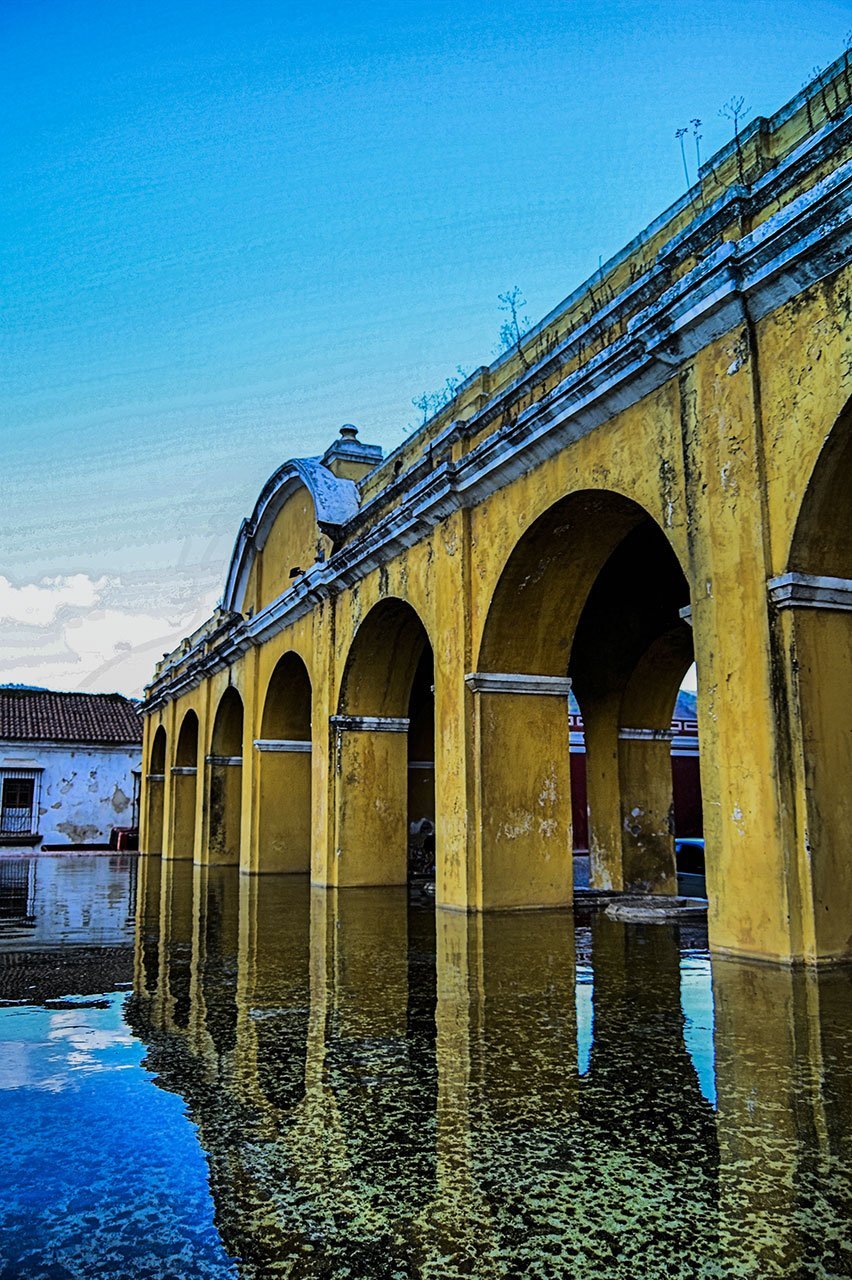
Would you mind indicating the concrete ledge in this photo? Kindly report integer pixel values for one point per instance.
(810, 591)
(506, 682)
(649, 908)
(225, 760)
(282, 744)
(370, 724)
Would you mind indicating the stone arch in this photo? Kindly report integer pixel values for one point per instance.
(283, 761)
(156, 792)
(631, 650)
(386, 690)
(592, 592)
(185, 788)
(224, 768)
(331, 501)
(813, 613)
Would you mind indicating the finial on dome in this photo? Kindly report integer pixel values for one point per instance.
(348, 458)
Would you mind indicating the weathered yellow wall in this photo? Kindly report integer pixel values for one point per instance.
(292, 543)
(719, 457)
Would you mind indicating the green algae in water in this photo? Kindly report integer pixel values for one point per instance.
(314, 1084)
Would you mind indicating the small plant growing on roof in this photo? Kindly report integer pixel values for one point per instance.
(515, 325)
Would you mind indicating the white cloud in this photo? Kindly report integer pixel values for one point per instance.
(83, 633)
(37, 604)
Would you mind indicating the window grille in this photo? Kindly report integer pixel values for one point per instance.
(17, 891)
(20, 792)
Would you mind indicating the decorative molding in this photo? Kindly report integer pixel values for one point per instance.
(646, 735)
(810, 591)
(155, 777)
(685, 614)
(225, 760)
(665, 324)
(370, 724)
(505, 682)
(282, 744)
(184, 771)
(421, 764)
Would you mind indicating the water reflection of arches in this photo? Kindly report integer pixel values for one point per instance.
(648, 1132)
(184, 777)
(156, 792)
(282, 839)
(335, 1111)
(386, 690)
(225, 780)
(593, 590)
(814, 600)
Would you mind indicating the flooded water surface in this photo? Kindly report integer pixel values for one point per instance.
(209, 1075)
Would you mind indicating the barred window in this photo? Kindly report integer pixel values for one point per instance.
(19, 797)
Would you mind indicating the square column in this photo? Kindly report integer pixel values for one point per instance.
(282, 818)
(370, 799)
(181, 841)
(814, 617)
(647, 818)
(522, 814)
(224, 808)
(155, 803)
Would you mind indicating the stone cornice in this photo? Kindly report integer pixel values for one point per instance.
(282, 744)
(369, 724)
(511, 682)
(810, 591)
(805, 241)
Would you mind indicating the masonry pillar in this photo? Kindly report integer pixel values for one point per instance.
(749, 832)
(371, 799)
(155, 790)
(603, 793)
(282, 819)
(647, 823)
(522, 817)
(815, 626)
(181, 840)
(225, 788)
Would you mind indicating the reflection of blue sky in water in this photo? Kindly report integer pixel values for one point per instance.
(84, 1132)
(585, 991)
(696, 998)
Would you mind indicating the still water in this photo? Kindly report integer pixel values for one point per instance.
(255, 1079)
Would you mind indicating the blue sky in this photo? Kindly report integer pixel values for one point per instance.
(226, 229)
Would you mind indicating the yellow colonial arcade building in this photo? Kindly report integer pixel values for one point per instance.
(660, 472)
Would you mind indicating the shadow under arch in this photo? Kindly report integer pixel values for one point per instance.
(592, 591)
(383, 742)
(184, 788)
(282, 840)
(156, 792)
(224, 769)
(813, 621)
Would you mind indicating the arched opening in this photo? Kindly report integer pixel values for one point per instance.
(594, 594)
(630, 654)
(283, 837)
(184, 788)
(384, 751)
(156, 792)
(814, 603)
(225, 780)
